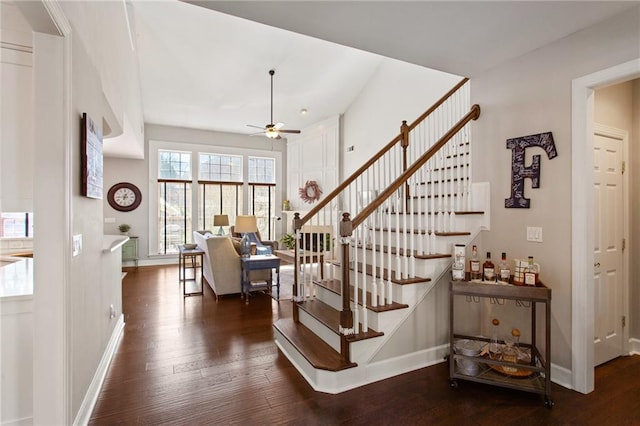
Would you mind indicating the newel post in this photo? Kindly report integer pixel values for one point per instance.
(346, 315)
(297, 224)
(404, 131)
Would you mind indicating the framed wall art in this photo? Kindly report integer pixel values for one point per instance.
(91, 158)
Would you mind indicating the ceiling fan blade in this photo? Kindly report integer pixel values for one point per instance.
(278, 125)
(288, 131)
(257, 134)
(257, 127)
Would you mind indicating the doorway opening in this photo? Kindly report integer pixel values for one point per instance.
(582, 276)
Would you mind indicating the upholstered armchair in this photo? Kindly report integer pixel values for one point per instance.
(263, 247)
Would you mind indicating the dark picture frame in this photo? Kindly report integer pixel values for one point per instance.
(91, 158)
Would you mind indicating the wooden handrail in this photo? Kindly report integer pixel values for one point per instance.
(473, 114)
(437, 104)
(399, 138)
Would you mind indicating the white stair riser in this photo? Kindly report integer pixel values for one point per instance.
(321, 330)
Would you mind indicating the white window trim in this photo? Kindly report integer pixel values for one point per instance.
(196, 150)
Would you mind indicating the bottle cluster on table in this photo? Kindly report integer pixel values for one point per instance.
(523, 273)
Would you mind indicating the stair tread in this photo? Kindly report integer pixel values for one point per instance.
(423, 232)
(335, 286)
(401, 252)
(330, 317)
(315, 350)
(457, 213)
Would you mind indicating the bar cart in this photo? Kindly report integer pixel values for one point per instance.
(532, 371)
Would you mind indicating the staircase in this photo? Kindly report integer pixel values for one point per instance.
(386, 236)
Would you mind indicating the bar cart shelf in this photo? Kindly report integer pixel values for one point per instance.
(532, 372)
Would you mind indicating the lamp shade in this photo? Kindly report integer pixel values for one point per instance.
(221, 220)
(246, 224)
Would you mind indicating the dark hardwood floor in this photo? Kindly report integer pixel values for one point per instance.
(192, 361)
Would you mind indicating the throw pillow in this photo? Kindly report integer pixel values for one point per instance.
(236, 244)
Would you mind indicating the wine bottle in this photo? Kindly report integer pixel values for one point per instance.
(505, 272)
(531, 273)
(457, 268)
(474, 265)
(488, 270)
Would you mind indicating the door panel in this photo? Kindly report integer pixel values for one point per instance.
(608, 258)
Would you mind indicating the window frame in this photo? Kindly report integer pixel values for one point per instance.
(196, 149)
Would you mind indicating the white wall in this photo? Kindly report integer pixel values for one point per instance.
(104, 28)
(313, 155)
(397, 91)
(529, 95)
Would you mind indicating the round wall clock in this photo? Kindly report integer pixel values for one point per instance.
(124, 197)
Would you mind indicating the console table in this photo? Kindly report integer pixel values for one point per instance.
(255, 263)
(196, 257)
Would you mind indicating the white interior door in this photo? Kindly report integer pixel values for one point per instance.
(608, 251)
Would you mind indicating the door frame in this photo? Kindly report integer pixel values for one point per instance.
(623, 137)
(582, 287)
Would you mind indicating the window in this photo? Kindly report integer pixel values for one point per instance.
(16, 225)
(174, 200)
(220, 187)
(262, 191)
(196, 182)
(220, 168)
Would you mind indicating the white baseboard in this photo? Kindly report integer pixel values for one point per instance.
(561, 376)
(25, 421)
(634, 346)
(90, 398)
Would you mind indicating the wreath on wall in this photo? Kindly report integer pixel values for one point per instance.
(310, 192)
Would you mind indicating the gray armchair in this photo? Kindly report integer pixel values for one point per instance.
(269, 247)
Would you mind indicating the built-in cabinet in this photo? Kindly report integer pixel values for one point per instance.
(130, 251)
(16, 144)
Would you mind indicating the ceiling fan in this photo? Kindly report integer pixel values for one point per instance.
(271, 130)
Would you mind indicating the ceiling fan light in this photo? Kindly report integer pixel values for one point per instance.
(271, 133)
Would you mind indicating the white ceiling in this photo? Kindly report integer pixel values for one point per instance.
(209, 70)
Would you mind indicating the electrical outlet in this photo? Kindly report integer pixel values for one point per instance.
(534, 234)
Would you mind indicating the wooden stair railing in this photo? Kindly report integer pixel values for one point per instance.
(437, 150)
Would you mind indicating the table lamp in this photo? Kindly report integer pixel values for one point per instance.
(221, 220)
(245, 225)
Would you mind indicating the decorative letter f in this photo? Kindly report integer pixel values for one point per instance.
(518, 170)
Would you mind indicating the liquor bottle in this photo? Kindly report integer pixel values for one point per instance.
(457, 269)
(494, 343)
(474, 265)
(488, 270)
(531, 273)
(505, 272)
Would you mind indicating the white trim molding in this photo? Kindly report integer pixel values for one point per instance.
(634, 346)
(90, 398)
(582, 304)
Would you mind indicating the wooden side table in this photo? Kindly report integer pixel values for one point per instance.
(196, 256)
(255, 263)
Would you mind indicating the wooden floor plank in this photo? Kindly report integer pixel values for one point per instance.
(196, 361)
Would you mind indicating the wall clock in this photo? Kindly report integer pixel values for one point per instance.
(124, 197)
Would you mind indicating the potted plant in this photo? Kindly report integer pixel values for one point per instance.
(124, 228)
(289, 241)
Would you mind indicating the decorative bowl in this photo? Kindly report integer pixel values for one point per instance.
(190, 246)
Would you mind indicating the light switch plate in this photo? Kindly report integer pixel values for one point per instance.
(77, 244)
(534, 234)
